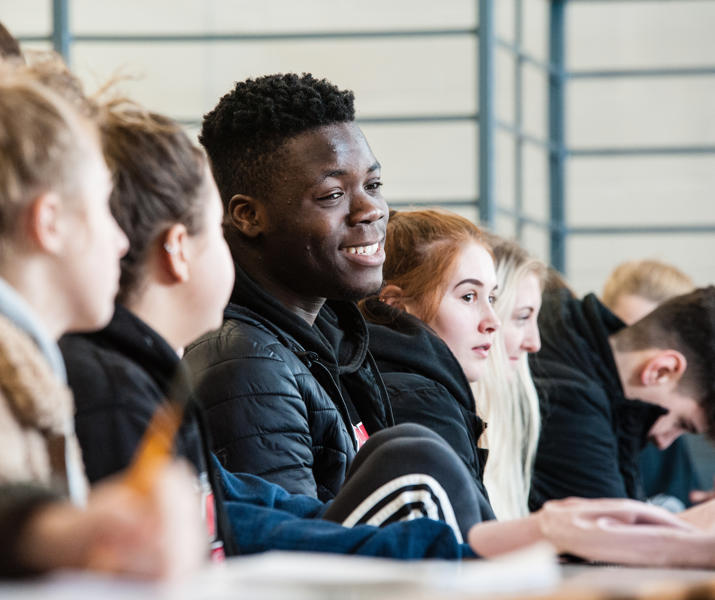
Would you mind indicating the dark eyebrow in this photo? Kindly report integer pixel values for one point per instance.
(474, 282)
(340, 172)
(335, 173)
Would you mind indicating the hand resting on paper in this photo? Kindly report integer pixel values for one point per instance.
(629, 532)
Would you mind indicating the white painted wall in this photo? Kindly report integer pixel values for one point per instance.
(438, 75)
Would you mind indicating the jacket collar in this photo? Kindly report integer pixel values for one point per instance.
(339, 335)
(131, 337)
(575, 333)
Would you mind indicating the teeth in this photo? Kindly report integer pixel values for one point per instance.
(363, 249)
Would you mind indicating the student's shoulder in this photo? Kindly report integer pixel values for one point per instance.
(404, 383)
(570, 388)
(79, 348)
(243, 336)
(99, 375)
(85, 355)
(419, 399)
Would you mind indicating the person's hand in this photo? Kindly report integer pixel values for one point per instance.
(492, 538)
(158, 534)
(626, 532)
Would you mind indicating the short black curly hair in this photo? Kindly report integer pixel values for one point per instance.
(250, 123)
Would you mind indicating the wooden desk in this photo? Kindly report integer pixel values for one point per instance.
(576, 582)
(623, 582)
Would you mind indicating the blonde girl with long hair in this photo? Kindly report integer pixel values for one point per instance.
(507, 399)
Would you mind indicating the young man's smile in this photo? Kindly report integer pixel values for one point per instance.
(366, 254)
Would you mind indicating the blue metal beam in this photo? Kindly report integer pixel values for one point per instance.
(517, 50)
(557, 159)
(640, 151)
(273, 37)
(487, 120)
(520, 134)
(400, 119)
(640, 229)
(652, 72)
(518, 119)
(35, 38)
(432, 202)
(523, 219)
(61, 28)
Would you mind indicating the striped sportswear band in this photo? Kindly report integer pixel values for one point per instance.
(405, 498)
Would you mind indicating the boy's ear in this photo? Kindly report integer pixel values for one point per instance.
(663, 367)
(393, 296)
(175, 253)
(43, 226)
(246, 214)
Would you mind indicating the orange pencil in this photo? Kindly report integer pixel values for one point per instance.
(155, 449)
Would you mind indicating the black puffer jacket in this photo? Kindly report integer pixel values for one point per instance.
(426, 384)
(591, 434)
(279, 393)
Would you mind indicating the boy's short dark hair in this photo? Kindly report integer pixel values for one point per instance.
(687, 324)
(250, 123)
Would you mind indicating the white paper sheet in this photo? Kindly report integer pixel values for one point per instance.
(298, 576)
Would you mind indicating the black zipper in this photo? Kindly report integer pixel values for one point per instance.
(311, 358)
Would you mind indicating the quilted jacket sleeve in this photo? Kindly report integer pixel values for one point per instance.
(256, 413)
(416, 399)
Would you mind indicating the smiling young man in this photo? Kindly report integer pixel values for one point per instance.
(607, 388)
(290, 389)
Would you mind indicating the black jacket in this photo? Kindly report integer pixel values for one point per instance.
(591, 434)
(426, 384)
(119, 376)
(279, 393)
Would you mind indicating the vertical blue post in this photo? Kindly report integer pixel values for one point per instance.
(61, 28)
(487, 125)
(519, 118)
(557, 138)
